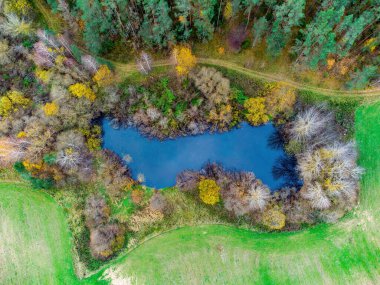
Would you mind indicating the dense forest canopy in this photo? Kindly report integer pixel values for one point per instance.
(314, 31)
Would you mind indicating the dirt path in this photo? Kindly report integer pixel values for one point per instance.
(124, 69)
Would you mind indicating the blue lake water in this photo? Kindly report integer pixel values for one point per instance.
(246, 148)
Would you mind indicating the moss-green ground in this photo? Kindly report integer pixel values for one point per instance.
(344, 253)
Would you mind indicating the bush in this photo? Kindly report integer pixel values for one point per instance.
(96, 211)
(209, 191)
(256, 111)
(274, 219)
(280, 101)
(106, 240)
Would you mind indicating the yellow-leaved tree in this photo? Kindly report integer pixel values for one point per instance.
(82, 90)
(256, 111)
(184, 59)
(103, 76)
(11, 102)
(50, 109)
(19, 7)
(280, 100)
(228, 10)
(209, 191)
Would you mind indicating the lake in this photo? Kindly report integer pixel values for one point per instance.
(246, 148)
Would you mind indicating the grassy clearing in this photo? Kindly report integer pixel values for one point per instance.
(35, 245)
(344, 253)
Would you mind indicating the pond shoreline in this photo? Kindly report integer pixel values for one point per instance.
(243, 148)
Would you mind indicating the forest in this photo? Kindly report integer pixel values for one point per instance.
(338, 36)
(55, 88)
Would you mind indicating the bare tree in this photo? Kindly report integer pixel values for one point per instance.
(144, 63)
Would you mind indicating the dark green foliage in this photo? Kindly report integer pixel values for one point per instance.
(76, 52)
(334, 30)
(36, 183)
(53, 4)
(259, 29)
(239, 95)
(362, 77)
(156, 29)
(50, 158)
(287, 16)
(165, 98)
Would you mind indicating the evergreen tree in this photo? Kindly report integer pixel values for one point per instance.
(248, 6)
(287, 15)
(258, 30)
(157, 26)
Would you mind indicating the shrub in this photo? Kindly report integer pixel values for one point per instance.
(158, 202)
(144, 218)
(245, 194)
(96, 211)
(50, 109)
(256, 111)
(81, 90)
(115, 176)
(103, 76)
(106, 240)
(280, 100)
(274, 219)
(212, 84)
(12, 101)
(209, 191)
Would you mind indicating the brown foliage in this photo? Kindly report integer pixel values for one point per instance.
(96, 211)
(106, 240)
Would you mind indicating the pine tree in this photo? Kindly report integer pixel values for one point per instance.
(287, 16)
(157, 28)
(259, 29)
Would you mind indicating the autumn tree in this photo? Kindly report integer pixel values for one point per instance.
(80, 90)
(12, 101)
(274, 218)
(103, 76)
(256, 111)
(51, 109)
(184, 60)
(209, 191)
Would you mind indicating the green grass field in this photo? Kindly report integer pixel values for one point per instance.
(344, 253)
(35, 245)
